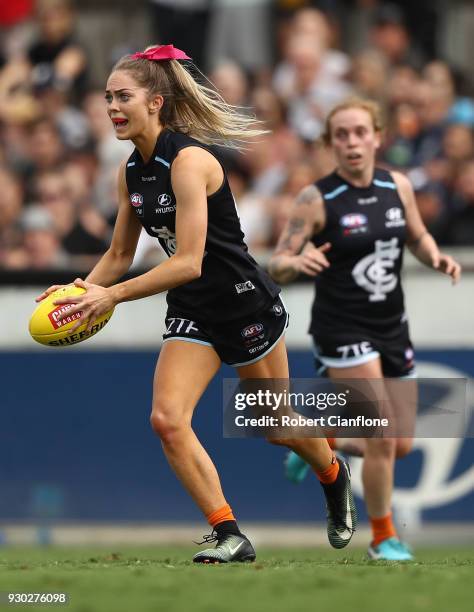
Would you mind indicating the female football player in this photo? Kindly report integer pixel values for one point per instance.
(174, 186)
(348, 230)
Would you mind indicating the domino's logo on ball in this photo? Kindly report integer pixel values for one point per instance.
(58, 316)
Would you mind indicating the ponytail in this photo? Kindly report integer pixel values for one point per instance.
(189, 106)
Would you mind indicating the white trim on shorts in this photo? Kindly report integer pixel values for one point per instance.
(412, 374)
(269, 349)
(203, 342)
(336, 362)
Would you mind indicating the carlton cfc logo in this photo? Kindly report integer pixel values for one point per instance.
(252, 330)
(136, 199)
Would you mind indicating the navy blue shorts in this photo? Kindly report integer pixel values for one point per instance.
(238, 342)
(344, 348)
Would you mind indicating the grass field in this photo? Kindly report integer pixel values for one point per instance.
(164, 579)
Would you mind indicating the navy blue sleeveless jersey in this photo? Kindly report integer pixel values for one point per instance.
(231, 284)
(367, 229)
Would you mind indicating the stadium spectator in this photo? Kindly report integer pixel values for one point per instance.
(42, 243)
(185, 23)
(56, 57)
(255, 218)
(48, 122)
(461, 228)
(70, 121)
(14, 28)
(401, 83)
(239, 31)
(313, 23)
(307, 90)
(80, 227)
(268, 156)
(460, 109)
(11, 205)
(389, 34)
(369, 75)
(231, 82)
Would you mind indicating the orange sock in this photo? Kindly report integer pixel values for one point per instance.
(382, 529)
(329, 475)
(220, 515)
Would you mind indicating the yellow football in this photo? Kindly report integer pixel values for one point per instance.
(50, 324)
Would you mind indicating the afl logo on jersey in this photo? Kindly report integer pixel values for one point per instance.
(164, 199)
(353, 220)
(136, 199)
(252, 330)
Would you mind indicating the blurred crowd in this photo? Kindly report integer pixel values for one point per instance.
(59, 156)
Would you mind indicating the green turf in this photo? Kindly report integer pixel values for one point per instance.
(164, 579)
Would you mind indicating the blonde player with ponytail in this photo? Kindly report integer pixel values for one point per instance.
(221, 306)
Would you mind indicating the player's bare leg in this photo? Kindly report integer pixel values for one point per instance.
(334, 475)
(379, 453)
(378, 470)
(177, 388)
(315, 451)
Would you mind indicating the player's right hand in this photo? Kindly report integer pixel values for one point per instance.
(313, 260)
(49, 291)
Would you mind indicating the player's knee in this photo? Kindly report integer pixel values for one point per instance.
(404, 447)
(381, 447)
(165, 419)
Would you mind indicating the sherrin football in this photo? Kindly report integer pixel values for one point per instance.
(50, 324)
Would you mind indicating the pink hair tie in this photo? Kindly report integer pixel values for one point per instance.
(161, 52)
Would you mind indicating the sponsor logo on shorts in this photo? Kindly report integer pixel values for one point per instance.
(252, 330)
(243, 287)
(136, 199)
(355, 350)
(394, 217)
(59, 317)
(260, 347)
(177, 325)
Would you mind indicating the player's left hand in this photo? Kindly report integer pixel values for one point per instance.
(95, 302)
(447, 265)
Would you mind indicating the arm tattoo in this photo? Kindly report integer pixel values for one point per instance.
(295, 226)
(308, 195)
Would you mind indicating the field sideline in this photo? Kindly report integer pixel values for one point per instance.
(142, 579)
